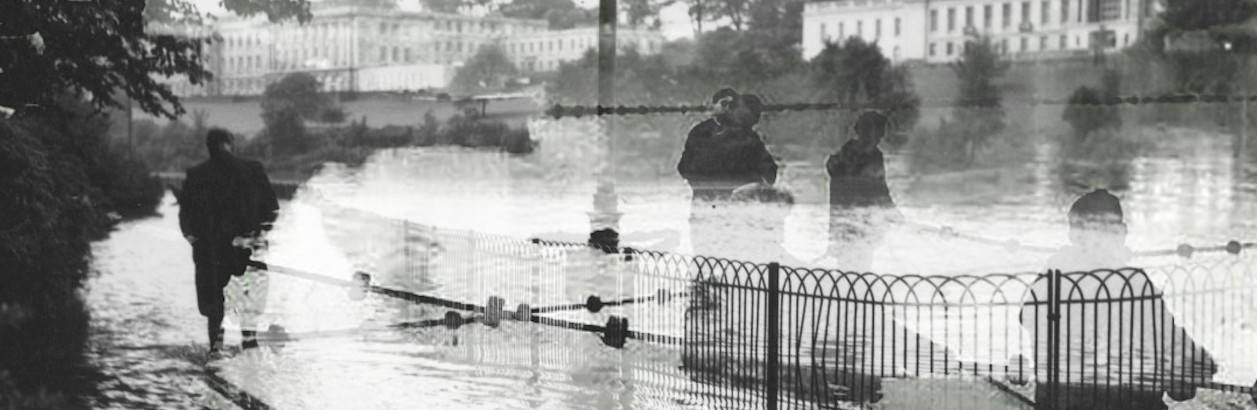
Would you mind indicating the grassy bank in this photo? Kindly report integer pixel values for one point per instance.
(64, 187)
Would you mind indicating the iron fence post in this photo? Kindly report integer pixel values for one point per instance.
(774, 332)
(1054, 338)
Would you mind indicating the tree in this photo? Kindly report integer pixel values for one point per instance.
(488, 70)
(858, 75)
(286, 104)
(1187, 15)
(1086, 114)
(561, 14)
(644, 13)
(978, 108)
(102, 46)
(443, 6)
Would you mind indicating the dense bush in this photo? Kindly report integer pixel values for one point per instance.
(60, 181)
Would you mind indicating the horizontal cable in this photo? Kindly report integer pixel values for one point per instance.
(577, 111)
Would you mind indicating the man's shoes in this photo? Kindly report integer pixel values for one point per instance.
(215, 354)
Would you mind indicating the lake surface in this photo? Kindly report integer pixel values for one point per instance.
(1189, 190)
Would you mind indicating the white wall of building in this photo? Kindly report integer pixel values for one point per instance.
(546, 50)
(897, 26)
(404, 77)
(936, 31)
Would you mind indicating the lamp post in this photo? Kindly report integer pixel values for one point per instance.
(606, 213)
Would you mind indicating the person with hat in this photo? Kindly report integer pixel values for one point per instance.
(226, 204)
(721, 154)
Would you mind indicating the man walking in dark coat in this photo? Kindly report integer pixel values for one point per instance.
(722, 154)
(226, 202)
(859, 199)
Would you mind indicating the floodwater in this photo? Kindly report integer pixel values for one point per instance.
(149, 339)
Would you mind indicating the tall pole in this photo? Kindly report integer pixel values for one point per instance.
(606, 214)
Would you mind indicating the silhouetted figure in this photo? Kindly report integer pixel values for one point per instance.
(1120, 348)
(225, 199)
(859, 199)
(722, 154)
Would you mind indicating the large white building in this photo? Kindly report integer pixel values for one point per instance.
(370, 49)
(935, 31)
(544, 51)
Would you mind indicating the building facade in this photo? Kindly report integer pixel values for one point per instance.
(370, 49)
(545, 51)
(936, 31)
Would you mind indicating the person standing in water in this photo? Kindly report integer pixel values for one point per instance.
(226, 205)
(722, 154)
(860, 205)
(1120, 346)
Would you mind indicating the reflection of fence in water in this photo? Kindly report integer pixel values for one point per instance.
(839, 333)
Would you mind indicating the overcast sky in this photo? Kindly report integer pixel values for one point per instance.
(676, 23)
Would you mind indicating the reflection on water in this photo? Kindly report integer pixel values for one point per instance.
(146, 323)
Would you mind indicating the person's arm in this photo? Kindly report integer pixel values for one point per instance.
(190, 204)
(687, 166)
(268, 204)
(765, 165)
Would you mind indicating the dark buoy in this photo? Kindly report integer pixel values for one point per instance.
(523, 312)
(359, 285)
(616, 332)
(1185, 250)
(593, 304)
(1233, 247)
(453, 320)
(493, 311)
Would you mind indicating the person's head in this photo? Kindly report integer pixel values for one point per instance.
(721, 102)
(218, 141)
(871, 126)
(1096, 216)
(746, 110)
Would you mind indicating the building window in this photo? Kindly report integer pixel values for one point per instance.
(897, 27)
(1003, 46)
(842, 31)
(1047, 10)
(1043, 43)
(859, 29)
(951, 20)
(1064, 42)
(877, 29)
(949, 48)
(1025, 44)
(932, 49)
(1025, 12)
(1008, 14)
(396, 54)
(987, 15)
(1081, 11)
(383, 53)
(824, 35)
(969, 16)
(1064, 11)
(933, 21)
